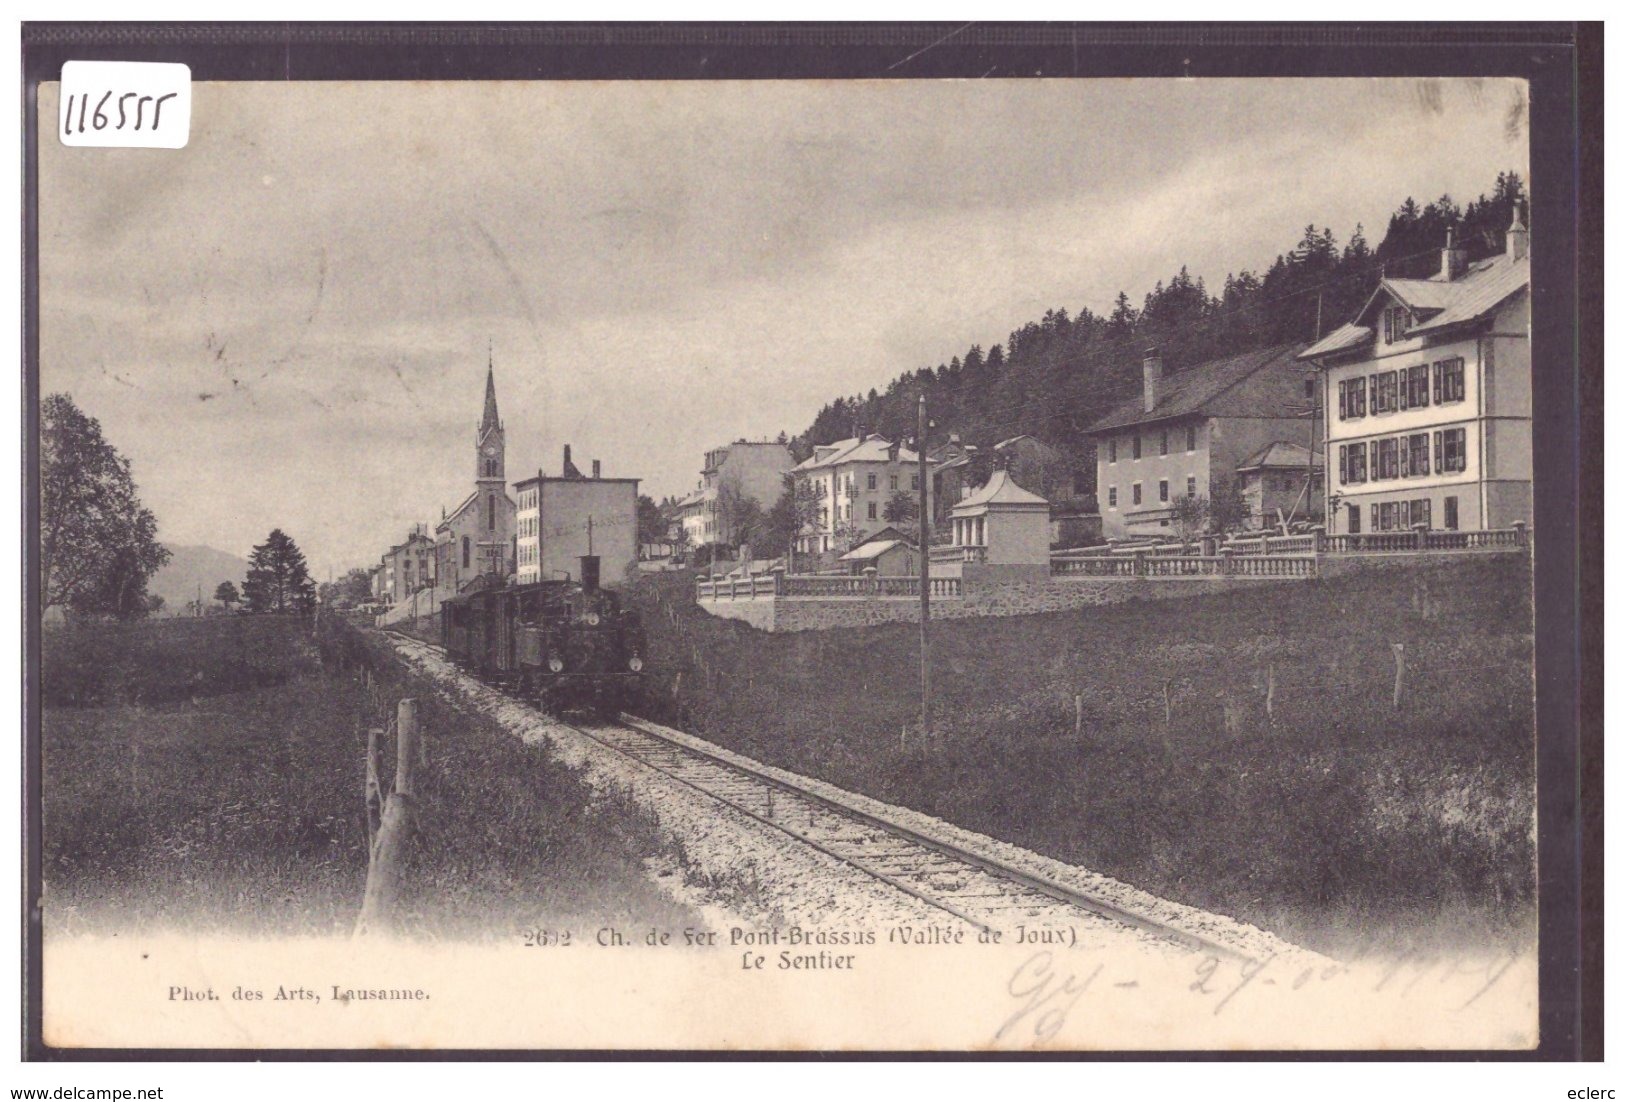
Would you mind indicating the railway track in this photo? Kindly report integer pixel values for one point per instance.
(972, 887)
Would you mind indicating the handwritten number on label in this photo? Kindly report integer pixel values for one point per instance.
(100, 120)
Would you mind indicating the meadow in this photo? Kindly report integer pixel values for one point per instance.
(1239, 752)
(210, 778)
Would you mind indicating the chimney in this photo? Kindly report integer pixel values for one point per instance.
(595, 468)
(1153, 378)
(1453, 262)
(1517, 234)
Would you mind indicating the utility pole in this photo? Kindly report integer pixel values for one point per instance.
(925, 576)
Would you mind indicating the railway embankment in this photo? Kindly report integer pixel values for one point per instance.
(1343, 754)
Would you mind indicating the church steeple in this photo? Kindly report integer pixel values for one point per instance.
(489, 421)
(489, 441)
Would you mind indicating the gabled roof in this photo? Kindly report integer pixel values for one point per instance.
(873, 550)
(457, 512)
(1340, 339)
(1437, 303)
(1001, 491)
(1280, 453)
(1198, 391)
(1480, 293)
(867, 449)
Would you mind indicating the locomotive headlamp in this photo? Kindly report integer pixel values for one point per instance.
(555, 663)
(636, 664)
(592, 619)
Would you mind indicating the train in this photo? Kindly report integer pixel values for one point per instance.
(564, 643)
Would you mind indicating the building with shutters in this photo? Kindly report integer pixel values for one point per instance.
(1427, 393)
(853, 479)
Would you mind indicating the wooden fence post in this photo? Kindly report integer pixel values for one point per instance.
(388, 858)
(1269, 691)
(374, 786)
(406, 714)
(1399, 674)
(1077, 716)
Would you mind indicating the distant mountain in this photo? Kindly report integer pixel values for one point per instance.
(192, 568)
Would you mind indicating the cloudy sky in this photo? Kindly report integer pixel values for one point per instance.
(286, 323)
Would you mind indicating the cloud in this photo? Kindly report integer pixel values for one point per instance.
(658, 267)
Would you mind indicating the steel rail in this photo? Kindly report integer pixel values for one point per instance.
(1036, 882)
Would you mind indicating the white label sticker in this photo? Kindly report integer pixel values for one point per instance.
(143, 104)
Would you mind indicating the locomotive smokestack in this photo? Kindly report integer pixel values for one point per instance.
(595, 468)
(589, 573)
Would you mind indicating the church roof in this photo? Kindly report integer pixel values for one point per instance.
(490, 419)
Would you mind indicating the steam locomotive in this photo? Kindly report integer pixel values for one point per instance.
(562, 643)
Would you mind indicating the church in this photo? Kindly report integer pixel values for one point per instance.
(477, 537)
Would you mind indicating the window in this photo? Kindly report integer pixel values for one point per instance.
(1422, 512)
(1308, 388)
(1413, 391)
(1351, 399)
(1449, 381)
(872, 482)
(1190, 438)
(1350, 464)
(1136, 445)
(1452, 514)
(1385, 459)
(872, 510)
(1385, 392)
(1164, 442)
(465, 552)
(1190, 486)
(894, 482)
(1413, 459)
(1111, 450)
(1111, 497)
(914, 483)
(1136, 493)
(1450, 450)
(1396, 322)
(1354, 520)
(1162, 490)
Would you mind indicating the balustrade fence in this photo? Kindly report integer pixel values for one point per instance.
(817, 585)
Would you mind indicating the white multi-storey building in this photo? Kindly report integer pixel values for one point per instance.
(1427, 394)
(853, 480)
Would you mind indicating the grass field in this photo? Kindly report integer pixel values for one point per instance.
(1318, 810)
(238, 804)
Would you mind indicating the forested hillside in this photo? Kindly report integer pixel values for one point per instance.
(1053, 377)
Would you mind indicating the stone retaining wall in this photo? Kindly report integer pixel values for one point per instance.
(983, 597)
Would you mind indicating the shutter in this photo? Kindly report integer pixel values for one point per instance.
(1372, 386)
(1422, 453)
(1404, 458)
(1342, 464)
(1403, 380)
(1388, 327)
(1343, 400)
(1438, 452)
(1438, 383)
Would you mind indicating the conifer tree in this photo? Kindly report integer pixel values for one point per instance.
(278, 579)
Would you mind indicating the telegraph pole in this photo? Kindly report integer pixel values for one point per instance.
(925, 576)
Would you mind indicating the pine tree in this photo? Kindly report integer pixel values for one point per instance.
(278, 579)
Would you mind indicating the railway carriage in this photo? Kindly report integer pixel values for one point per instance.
(563, 643)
